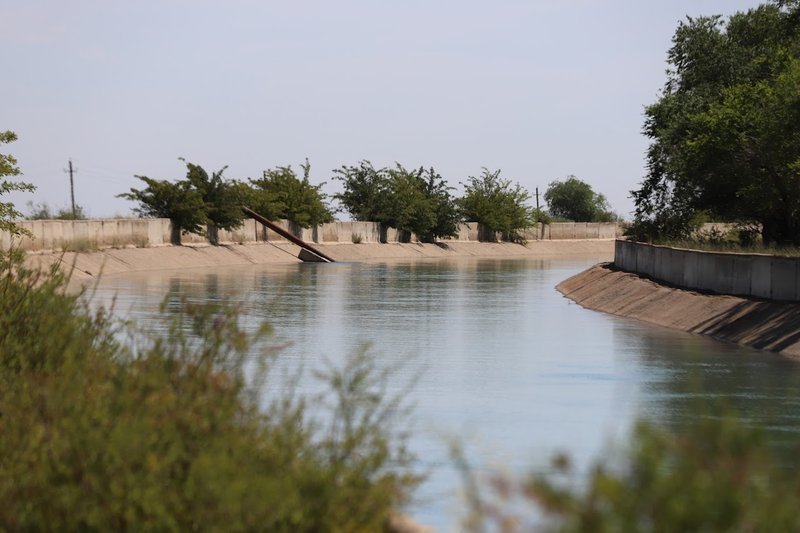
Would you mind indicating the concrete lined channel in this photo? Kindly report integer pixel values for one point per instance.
(491, 347)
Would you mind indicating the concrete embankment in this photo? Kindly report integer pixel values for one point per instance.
(86, 265)
(766, 325)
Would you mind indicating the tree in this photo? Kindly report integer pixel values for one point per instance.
(419, 201)
(447, 214)
(497, 204)
(412, 201)
(279, 193)
(223, 209)
(575, 200)
(725, 130)
(365, 195)
(178, 202)
(8, 169)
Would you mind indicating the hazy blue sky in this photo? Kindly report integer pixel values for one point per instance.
(540, 89)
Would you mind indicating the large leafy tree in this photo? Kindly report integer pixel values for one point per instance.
(177, 201)
(420, 202)
(223, 208)
(725, 132)
(365, 191)
(280, 193)
(8, 170)
(574, 199)
(497, 204)
(410, 200)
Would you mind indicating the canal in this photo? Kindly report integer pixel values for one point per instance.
(499, 360)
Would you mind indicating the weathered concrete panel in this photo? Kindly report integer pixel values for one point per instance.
(705, 272)
(562, 231)
(487, 235)
(607, 230)
(660, 260)
(691, 270)
(645, 260)
(330, 233)
(677, 264)
(546, 233)
(784, 278)
(722, 281)
(756, 275)
(630, 257)
(761, 277)
(36, 240)
(52, 236)
(619, 254)
(742, 274)
(472, 234)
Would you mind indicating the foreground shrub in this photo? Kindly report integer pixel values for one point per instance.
(171, 433)
(714, 474)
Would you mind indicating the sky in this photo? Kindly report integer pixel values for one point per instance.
(541, 89)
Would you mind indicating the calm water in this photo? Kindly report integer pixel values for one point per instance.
(508, 366)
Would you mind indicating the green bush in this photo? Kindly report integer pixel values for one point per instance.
(716, 473)
(167, 433)
(279, 193)
(575, 200)
(497, 205)
(412, 201)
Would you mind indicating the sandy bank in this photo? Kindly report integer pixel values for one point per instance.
(765, 325)
(88, 265)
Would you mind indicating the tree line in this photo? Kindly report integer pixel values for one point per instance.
(416, 200)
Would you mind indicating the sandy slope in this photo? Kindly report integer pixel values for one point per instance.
(118, 261)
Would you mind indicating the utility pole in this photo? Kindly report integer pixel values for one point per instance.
(71, 186)
(537, 198)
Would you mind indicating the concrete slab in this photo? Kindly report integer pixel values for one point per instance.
(761, 277)
(784, 278)
(742, 274)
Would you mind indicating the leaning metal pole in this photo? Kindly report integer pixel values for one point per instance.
(291, 238)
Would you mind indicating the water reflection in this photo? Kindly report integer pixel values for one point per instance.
(509, 364)
(762, 386)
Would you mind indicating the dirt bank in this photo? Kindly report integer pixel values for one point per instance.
(765, 325)
(118, 261)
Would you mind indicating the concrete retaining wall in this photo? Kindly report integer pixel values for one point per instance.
(117, 233)
(756, 275)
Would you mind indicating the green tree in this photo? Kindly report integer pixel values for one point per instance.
(419, 201)
(223, 209)
(279, 193)
(9, 169)
(365, 194)
(179, 202)
(412, 201)
(724, 131)
(574, 199)
(498, 205)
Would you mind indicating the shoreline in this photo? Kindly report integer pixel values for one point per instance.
(761, 324)
(86, 266)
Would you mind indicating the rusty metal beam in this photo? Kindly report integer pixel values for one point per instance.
(291, 238)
